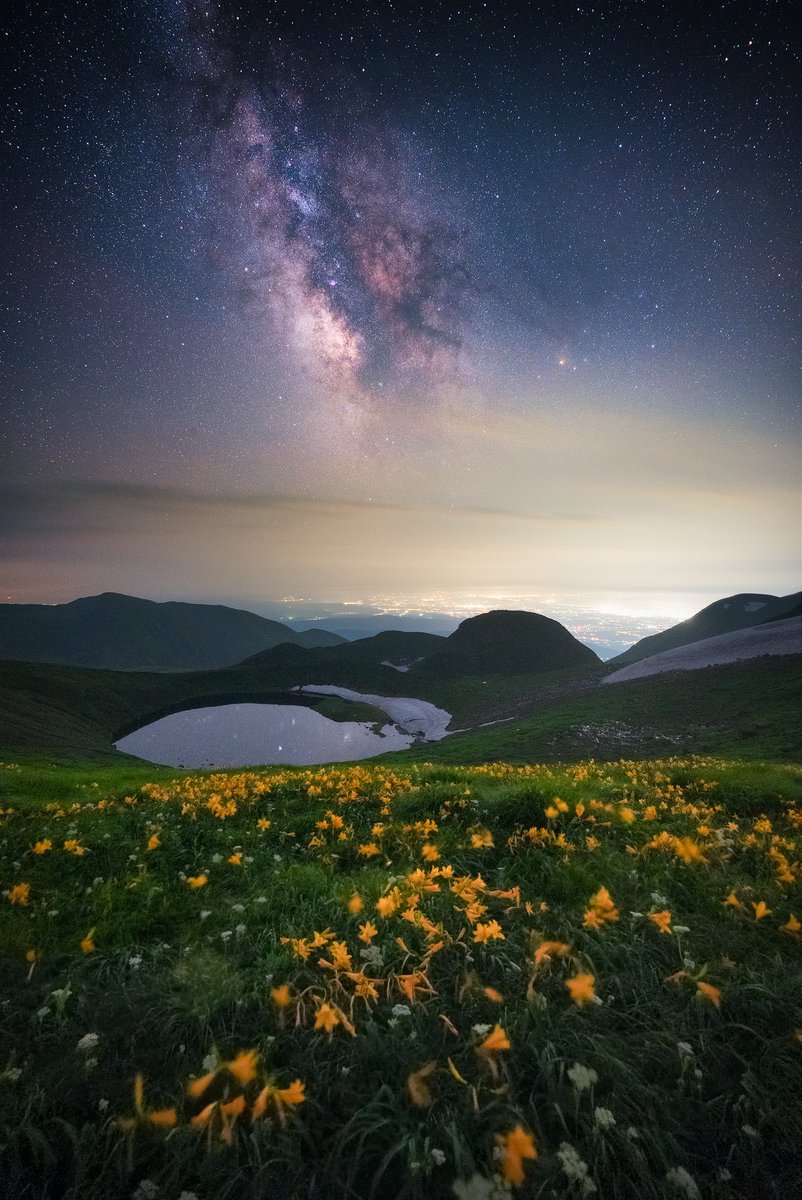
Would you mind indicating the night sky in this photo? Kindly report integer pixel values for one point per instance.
(341, 301)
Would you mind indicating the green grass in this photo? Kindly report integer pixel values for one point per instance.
(71, 714)
(745, 709)
(181, 975)
(75, 714)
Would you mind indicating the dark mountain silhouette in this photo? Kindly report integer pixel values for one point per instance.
(723, 616)
(506, 642)
(795, 610)
(127, 633)
(495, 643)
(391, 649)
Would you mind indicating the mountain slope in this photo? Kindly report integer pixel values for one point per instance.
(723, 616)
(495, 643)
(391, 648)
(505, 642)
(127, 633)
(771, 638)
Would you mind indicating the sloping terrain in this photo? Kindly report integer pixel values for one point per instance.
(743, 611)
(745, 709)
(127, 633)
(393, 646)
(776, 637)
(507, 643)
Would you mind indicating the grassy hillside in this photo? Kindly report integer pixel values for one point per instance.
(723, 616)
(419, 983)
(128, 633)
(72, 715)
(505, 643)
(749, 709)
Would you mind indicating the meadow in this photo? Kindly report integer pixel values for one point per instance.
(402, 981)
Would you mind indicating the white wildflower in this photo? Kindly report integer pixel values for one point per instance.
(225, 935)
(478, 1187)
(88, 1043)
(135, 962)
(261, 900)
(681, 928)
(575, 1168)
(750, 1131)
(240, 929)
(401, 1010)
(438, 1156)
(685, 1049)
(604, 1118)
(372, 956)
(684, 1182)
(102, 1104)
(147, 1190)
(482, 1030)
(207, 912)
(217, 858)
(581, 1077)
(210, 1062)
(660, 900)
(238, 908)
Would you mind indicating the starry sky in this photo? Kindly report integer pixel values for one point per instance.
(337, 301)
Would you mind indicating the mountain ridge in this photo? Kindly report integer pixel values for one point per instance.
(731, 613)
(119, 632)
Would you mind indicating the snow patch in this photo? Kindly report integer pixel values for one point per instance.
(780, 637)
(418, 718)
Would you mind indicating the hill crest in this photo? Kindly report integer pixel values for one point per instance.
(727, 615)
(122, 632)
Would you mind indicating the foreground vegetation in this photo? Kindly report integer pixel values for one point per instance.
(431, 981)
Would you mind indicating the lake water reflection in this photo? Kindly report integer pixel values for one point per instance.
(242, 735)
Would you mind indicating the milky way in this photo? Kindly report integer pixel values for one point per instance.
(327, 231)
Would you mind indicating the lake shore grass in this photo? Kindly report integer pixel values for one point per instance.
(404, 981)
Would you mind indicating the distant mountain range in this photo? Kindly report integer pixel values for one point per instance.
(126, 633)
(495, 643)
(723, 616)
(495, 670)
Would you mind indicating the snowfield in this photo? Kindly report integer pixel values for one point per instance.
(778, 637)
(416, 717)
